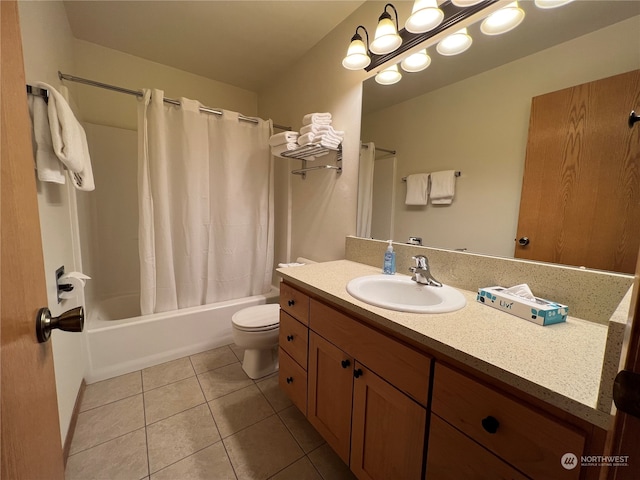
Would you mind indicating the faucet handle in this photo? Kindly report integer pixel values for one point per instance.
(421, 262)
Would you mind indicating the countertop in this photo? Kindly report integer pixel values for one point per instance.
(560, 364)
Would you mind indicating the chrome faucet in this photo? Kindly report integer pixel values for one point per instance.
(421, 272)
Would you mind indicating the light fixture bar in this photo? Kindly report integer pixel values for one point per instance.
(452, 16)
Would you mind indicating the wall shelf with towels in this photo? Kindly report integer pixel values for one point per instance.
(312, 150)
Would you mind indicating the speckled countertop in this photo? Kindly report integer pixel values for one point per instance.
(561, 364)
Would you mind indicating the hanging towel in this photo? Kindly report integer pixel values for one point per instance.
(317, 118)
(417, 189)
(283, 137)
(48, 166)
(69, 140)
(443, 187)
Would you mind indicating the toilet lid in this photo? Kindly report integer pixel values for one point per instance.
(259, 317)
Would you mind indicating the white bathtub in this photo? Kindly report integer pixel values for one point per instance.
(120, 341)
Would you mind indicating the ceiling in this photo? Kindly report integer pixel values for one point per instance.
(242, 43)
(540, 29)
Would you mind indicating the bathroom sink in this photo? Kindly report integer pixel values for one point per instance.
(399, 292)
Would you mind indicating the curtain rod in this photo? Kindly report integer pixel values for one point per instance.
(138, 93)
(378, 149)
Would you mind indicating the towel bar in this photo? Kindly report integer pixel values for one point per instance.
(457, 174)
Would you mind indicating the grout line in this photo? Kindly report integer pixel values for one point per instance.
(190, 455)
(106, 441)
(146, 435)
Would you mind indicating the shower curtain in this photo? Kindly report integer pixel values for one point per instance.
(205, 193)
(365, 190)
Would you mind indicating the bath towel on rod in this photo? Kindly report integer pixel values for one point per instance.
(443, 187)
(417, 189)
(49, 168)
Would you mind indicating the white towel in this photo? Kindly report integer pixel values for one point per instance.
(443, 187)
(315, 129)
(283, 137)
(278, 150)
(317, 118)
(417, 189)
(306, 139)
(47, 164)
(69, 140)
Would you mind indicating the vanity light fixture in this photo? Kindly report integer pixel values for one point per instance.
(389, 75)
(425, 16)
(455, 44)
(416, 62)
(358, 53)
(386, 39)
(551, 3)
(465, 3)
(503, 20)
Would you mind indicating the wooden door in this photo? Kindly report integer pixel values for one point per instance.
(29, 426)
(330, 383)
(387, 432)
(580, 201)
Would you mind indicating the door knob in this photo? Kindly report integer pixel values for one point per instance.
(70, 321)
(523, 241)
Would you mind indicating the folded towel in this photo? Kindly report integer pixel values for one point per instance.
(47, 164)
(283, 137)
(443, 187)
(278, 150)
(306, 139)
(69, 140)
(317, 118)
(315, 129)
(328, 143)
(417, 189)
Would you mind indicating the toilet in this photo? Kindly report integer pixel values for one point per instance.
(256, 330)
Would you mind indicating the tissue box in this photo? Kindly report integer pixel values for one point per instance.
(540, 311)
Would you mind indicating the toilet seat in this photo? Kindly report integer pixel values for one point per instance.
(259, 318)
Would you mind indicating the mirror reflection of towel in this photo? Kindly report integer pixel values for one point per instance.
(417, 189)
(443, 187)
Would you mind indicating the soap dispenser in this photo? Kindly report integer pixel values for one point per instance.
(389, 265)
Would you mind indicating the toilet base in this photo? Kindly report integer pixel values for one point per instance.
(259, 363)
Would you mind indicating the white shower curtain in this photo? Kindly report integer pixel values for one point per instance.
(365, 190)
(205, 192)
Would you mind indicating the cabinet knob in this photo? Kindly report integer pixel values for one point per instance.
(490, 424)
(357, 373)
(345, 363)
(289, 379)
(291, 303)
(289, 338)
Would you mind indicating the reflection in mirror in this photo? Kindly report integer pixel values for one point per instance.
(471, 113)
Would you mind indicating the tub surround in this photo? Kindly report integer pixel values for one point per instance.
(548, 363)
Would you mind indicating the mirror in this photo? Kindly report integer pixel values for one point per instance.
(470, 113)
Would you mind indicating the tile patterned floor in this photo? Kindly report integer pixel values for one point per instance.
(198, 417)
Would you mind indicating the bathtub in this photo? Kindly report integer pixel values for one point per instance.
(119, 340)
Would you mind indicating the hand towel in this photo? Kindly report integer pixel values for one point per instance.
(417, 189)
(306, 139)
(443, 187)
(317, 118)
(315, 129)
(283, 137)
(69, 140)
(48, 166)
(278, 150)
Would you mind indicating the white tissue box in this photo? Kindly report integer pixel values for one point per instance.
(540, 311)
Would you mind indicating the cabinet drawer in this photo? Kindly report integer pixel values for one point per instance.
(294, 338)
(293, 380)
(402, 366)
(452, 456)
(529, 440)
(295, 303)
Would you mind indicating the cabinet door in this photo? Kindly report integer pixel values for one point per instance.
(330, 383)
(388, 430)
(452, 456)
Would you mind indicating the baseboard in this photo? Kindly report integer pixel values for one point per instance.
(72, 424)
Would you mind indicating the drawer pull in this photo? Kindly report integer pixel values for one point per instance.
(289, 379)
(345, 363)
(490, 424)
(357, 373)
(291, 303)
(289, 338)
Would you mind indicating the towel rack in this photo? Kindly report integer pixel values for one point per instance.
(457, 174)
(312, 150)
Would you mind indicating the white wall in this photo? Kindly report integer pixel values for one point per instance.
(47, 44)
(489, 146)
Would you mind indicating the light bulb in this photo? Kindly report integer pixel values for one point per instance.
(389, 76)
(465, 3)
(503, 20)
(386, 39)
(425, 16)
(551, 3)
(455, 43)
(416, 62)
(357, 57)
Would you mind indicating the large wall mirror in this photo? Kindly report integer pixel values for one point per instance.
(470, 113)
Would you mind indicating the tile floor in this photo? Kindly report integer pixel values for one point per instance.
(198, 417)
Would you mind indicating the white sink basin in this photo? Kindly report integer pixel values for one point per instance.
(399, 292)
